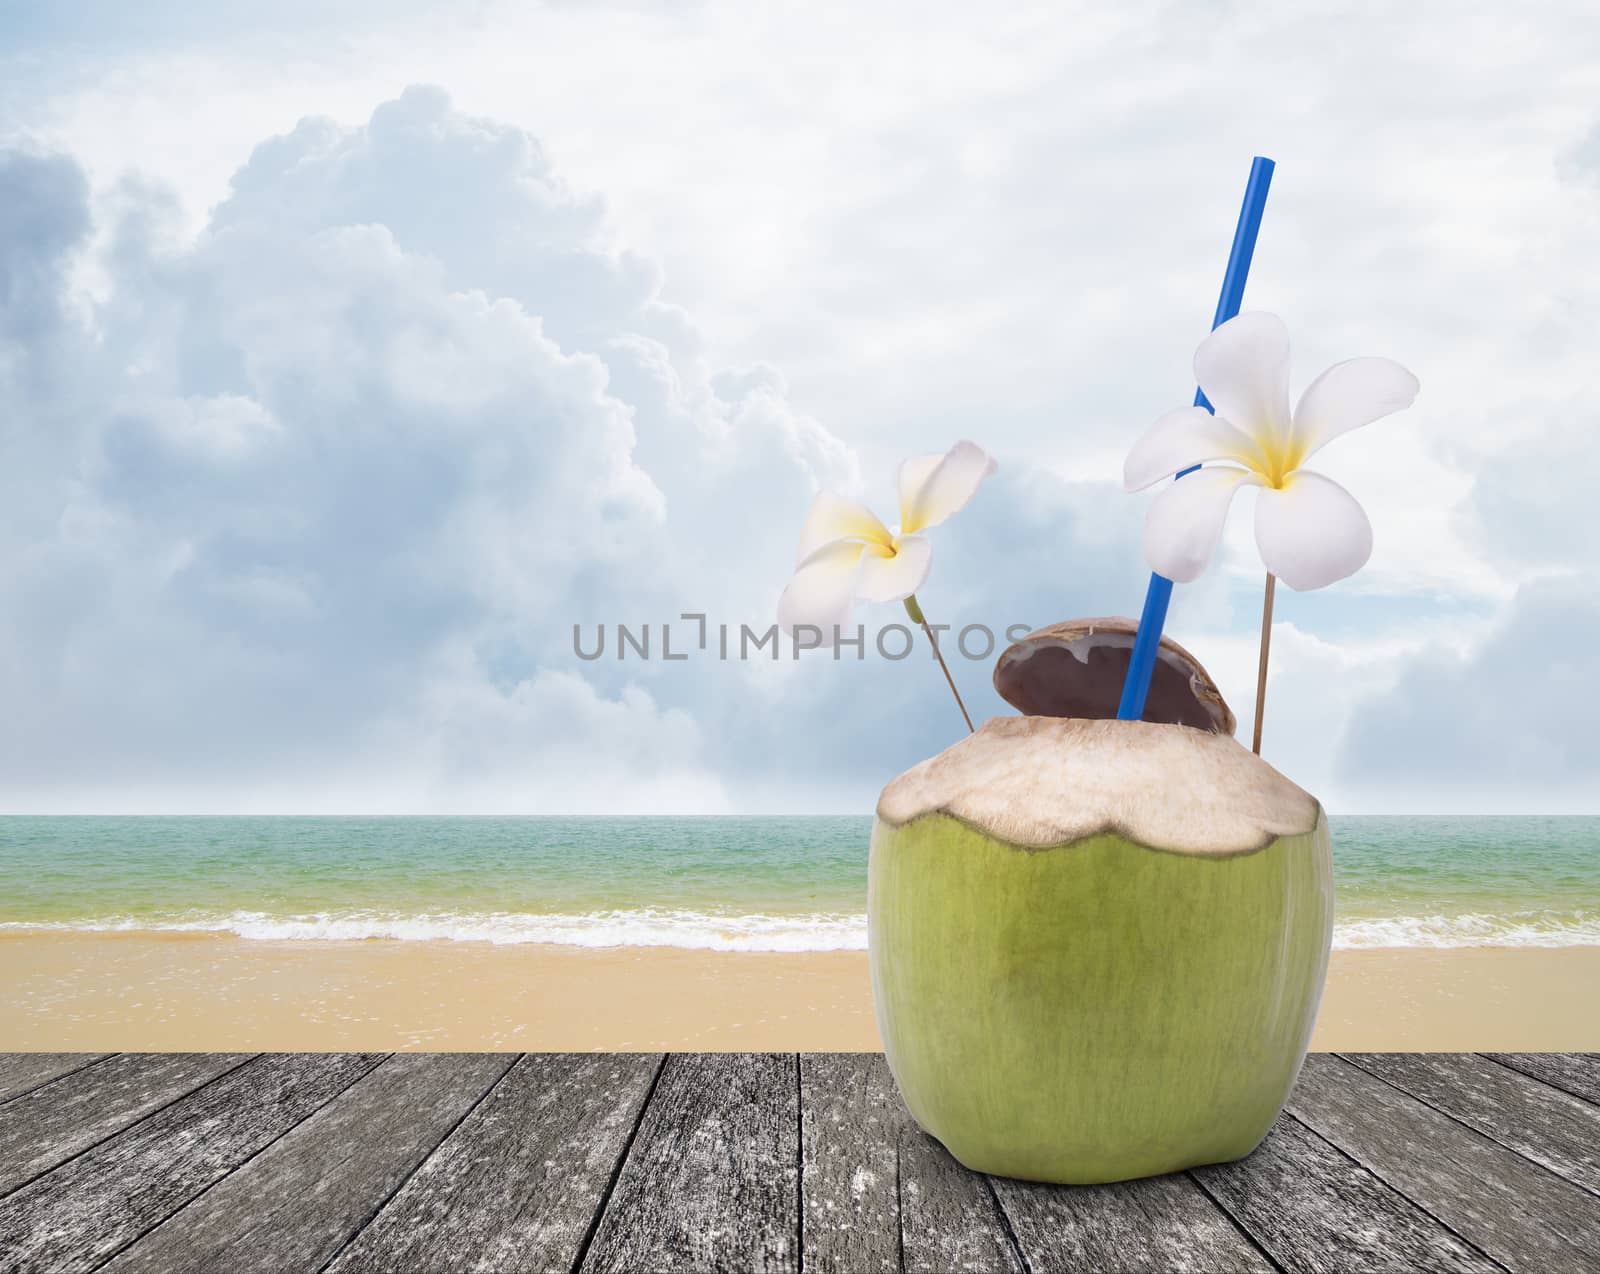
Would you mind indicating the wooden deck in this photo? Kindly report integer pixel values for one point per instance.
(599, 1162)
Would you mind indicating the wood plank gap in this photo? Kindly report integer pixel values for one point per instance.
(111, 1256)
(120, 1132)
(1499, 1059)
(707, 1183)
(899, 1209)
(1389, 1185)
(416, 1167)
(1005, 1224)
(799, 1167)
(94, 1059)
(1355, 1060)
(616, 1168)
(1235, 1222)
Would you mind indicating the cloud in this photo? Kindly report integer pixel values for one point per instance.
(1497, 720)
(353, 424)
(100, 24)
(343, 473)
(44, 218)
(1531, 509)
(348, 468)
(321, 492)
(1506, 728)
(1502, 723)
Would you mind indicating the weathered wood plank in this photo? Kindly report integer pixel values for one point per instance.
(1159, 1224)
(23, 1072)
(949, 1218)
(712, 1179)
(51, 1124)
(1389, 1162)
(300, 1200)
(1522, 1215)
(1575, 1073)
(851, 1118)
(1541, 1123)
(76, 1216)
(1311, 1208)
(518, 1185)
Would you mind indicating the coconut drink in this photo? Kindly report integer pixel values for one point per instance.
(1098, 930)
(1097, 946)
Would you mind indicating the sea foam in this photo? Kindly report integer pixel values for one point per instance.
(706, 931)
(645, 927)
(1520, 929)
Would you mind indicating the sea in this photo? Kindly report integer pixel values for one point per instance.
(709, 883)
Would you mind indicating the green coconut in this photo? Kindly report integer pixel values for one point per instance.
(1097, 946)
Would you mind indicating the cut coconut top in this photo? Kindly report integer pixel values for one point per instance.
(1039, 782)
(1076, 669)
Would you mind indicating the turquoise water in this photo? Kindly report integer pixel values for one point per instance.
(783, 884)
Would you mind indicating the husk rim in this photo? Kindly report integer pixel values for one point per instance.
(1135, 800)
(1114, 833)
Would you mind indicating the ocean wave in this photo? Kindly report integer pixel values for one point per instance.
(1522, 929)
(706, 931)
(646, 927)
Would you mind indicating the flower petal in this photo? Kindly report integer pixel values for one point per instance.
(1181, 438)
(889, 577)
(1312, 532)
(823, 588)
(1348, 395)
(914, 475)
(1184, 523)
(1243, 367)
(934, 487)
(832, 517)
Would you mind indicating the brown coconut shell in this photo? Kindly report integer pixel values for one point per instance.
(1076, 669)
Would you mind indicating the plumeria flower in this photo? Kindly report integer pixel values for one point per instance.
(1310, 530)
(846, 554)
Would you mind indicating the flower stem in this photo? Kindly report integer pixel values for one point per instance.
(1261, 672)
(917, 617)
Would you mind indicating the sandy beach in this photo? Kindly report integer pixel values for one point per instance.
(137, 991)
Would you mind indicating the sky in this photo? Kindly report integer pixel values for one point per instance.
(353, 357)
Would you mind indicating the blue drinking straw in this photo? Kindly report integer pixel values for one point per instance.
(1148, 639)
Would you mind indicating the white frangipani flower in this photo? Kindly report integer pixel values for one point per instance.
(1310, 530)
(847, 554)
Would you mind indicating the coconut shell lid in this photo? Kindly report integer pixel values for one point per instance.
(1076, 669)
(1039, 782)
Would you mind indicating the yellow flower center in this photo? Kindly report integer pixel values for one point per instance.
(1275, 459)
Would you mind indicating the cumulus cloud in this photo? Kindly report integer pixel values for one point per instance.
(322, 491)
(1508, 727)
(1531, 510)
(1503, 722)
(312, 461)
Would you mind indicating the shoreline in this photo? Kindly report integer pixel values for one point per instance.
(167, 990)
